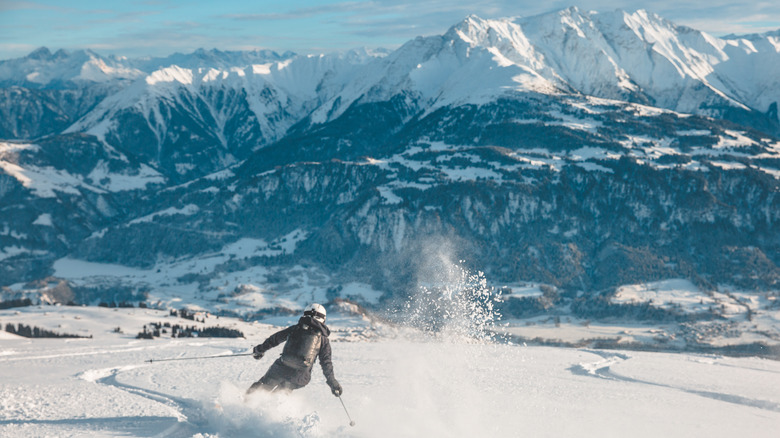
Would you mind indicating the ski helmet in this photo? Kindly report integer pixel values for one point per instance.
(316, 311)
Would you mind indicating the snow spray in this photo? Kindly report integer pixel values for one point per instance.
(262, 413)
(451, 302)
(435, 368)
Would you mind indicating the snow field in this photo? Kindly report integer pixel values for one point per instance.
(395, 386)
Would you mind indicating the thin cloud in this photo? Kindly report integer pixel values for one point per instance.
(34, 6)
(337, 8)
(21, 5)
(113, 17)
(743, 26)
(11, 47)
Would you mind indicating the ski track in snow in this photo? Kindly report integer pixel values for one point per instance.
(603, 369)
(81, 353)
(186, 414)
(210, 418)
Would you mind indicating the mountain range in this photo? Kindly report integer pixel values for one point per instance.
(577, 150)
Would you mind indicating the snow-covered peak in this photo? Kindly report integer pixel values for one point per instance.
(170, 74)
(753, 36)
(475, 61)
(639, 56)
(618, 55)
(213, 58)
(504, 35)
(278, 90)
(41, 53)
(636, 56)
(42, 68)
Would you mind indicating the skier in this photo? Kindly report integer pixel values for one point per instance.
(305, 342)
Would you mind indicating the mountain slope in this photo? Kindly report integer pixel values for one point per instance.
(580, 150)
(638, 57)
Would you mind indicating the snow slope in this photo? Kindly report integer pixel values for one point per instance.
(281, 90)
(630, 56)
(394, 386)
(44, 181)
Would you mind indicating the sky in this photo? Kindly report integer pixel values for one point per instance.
(136, 28)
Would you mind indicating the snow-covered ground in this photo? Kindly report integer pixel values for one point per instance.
(395, 385)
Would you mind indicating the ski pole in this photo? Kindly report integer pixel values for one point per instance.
(199, 357)
(351, 423)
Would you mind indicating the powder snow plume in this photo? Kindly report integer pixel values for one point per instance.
(263, 414)
(451, 302)
(436, 381)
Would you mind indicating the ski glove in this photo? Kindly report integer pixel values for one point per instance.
(335, 388)
(257, 353)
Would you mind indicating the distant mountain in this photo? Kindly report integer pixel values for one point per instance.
(583, 151)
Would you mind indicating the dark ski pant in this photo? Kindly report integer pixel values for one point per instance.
(281, 378)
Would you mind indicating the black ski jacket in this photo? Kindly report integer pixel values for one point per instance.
(300, 377)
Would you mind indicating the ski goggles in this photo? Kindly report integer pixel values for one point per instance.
(315, 315)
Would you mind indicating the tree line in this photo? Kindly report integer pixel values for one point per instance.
(156, 330)
(37, 332)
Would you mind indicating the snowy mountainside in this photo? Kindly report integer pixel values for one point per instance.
(43, 69)
(57, 191)
(638, 57)
(64, 69)
(29, 113)
(580, 151)
(192, 121)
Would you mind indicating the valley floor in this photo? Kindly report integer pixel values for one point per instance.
(394, 386)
